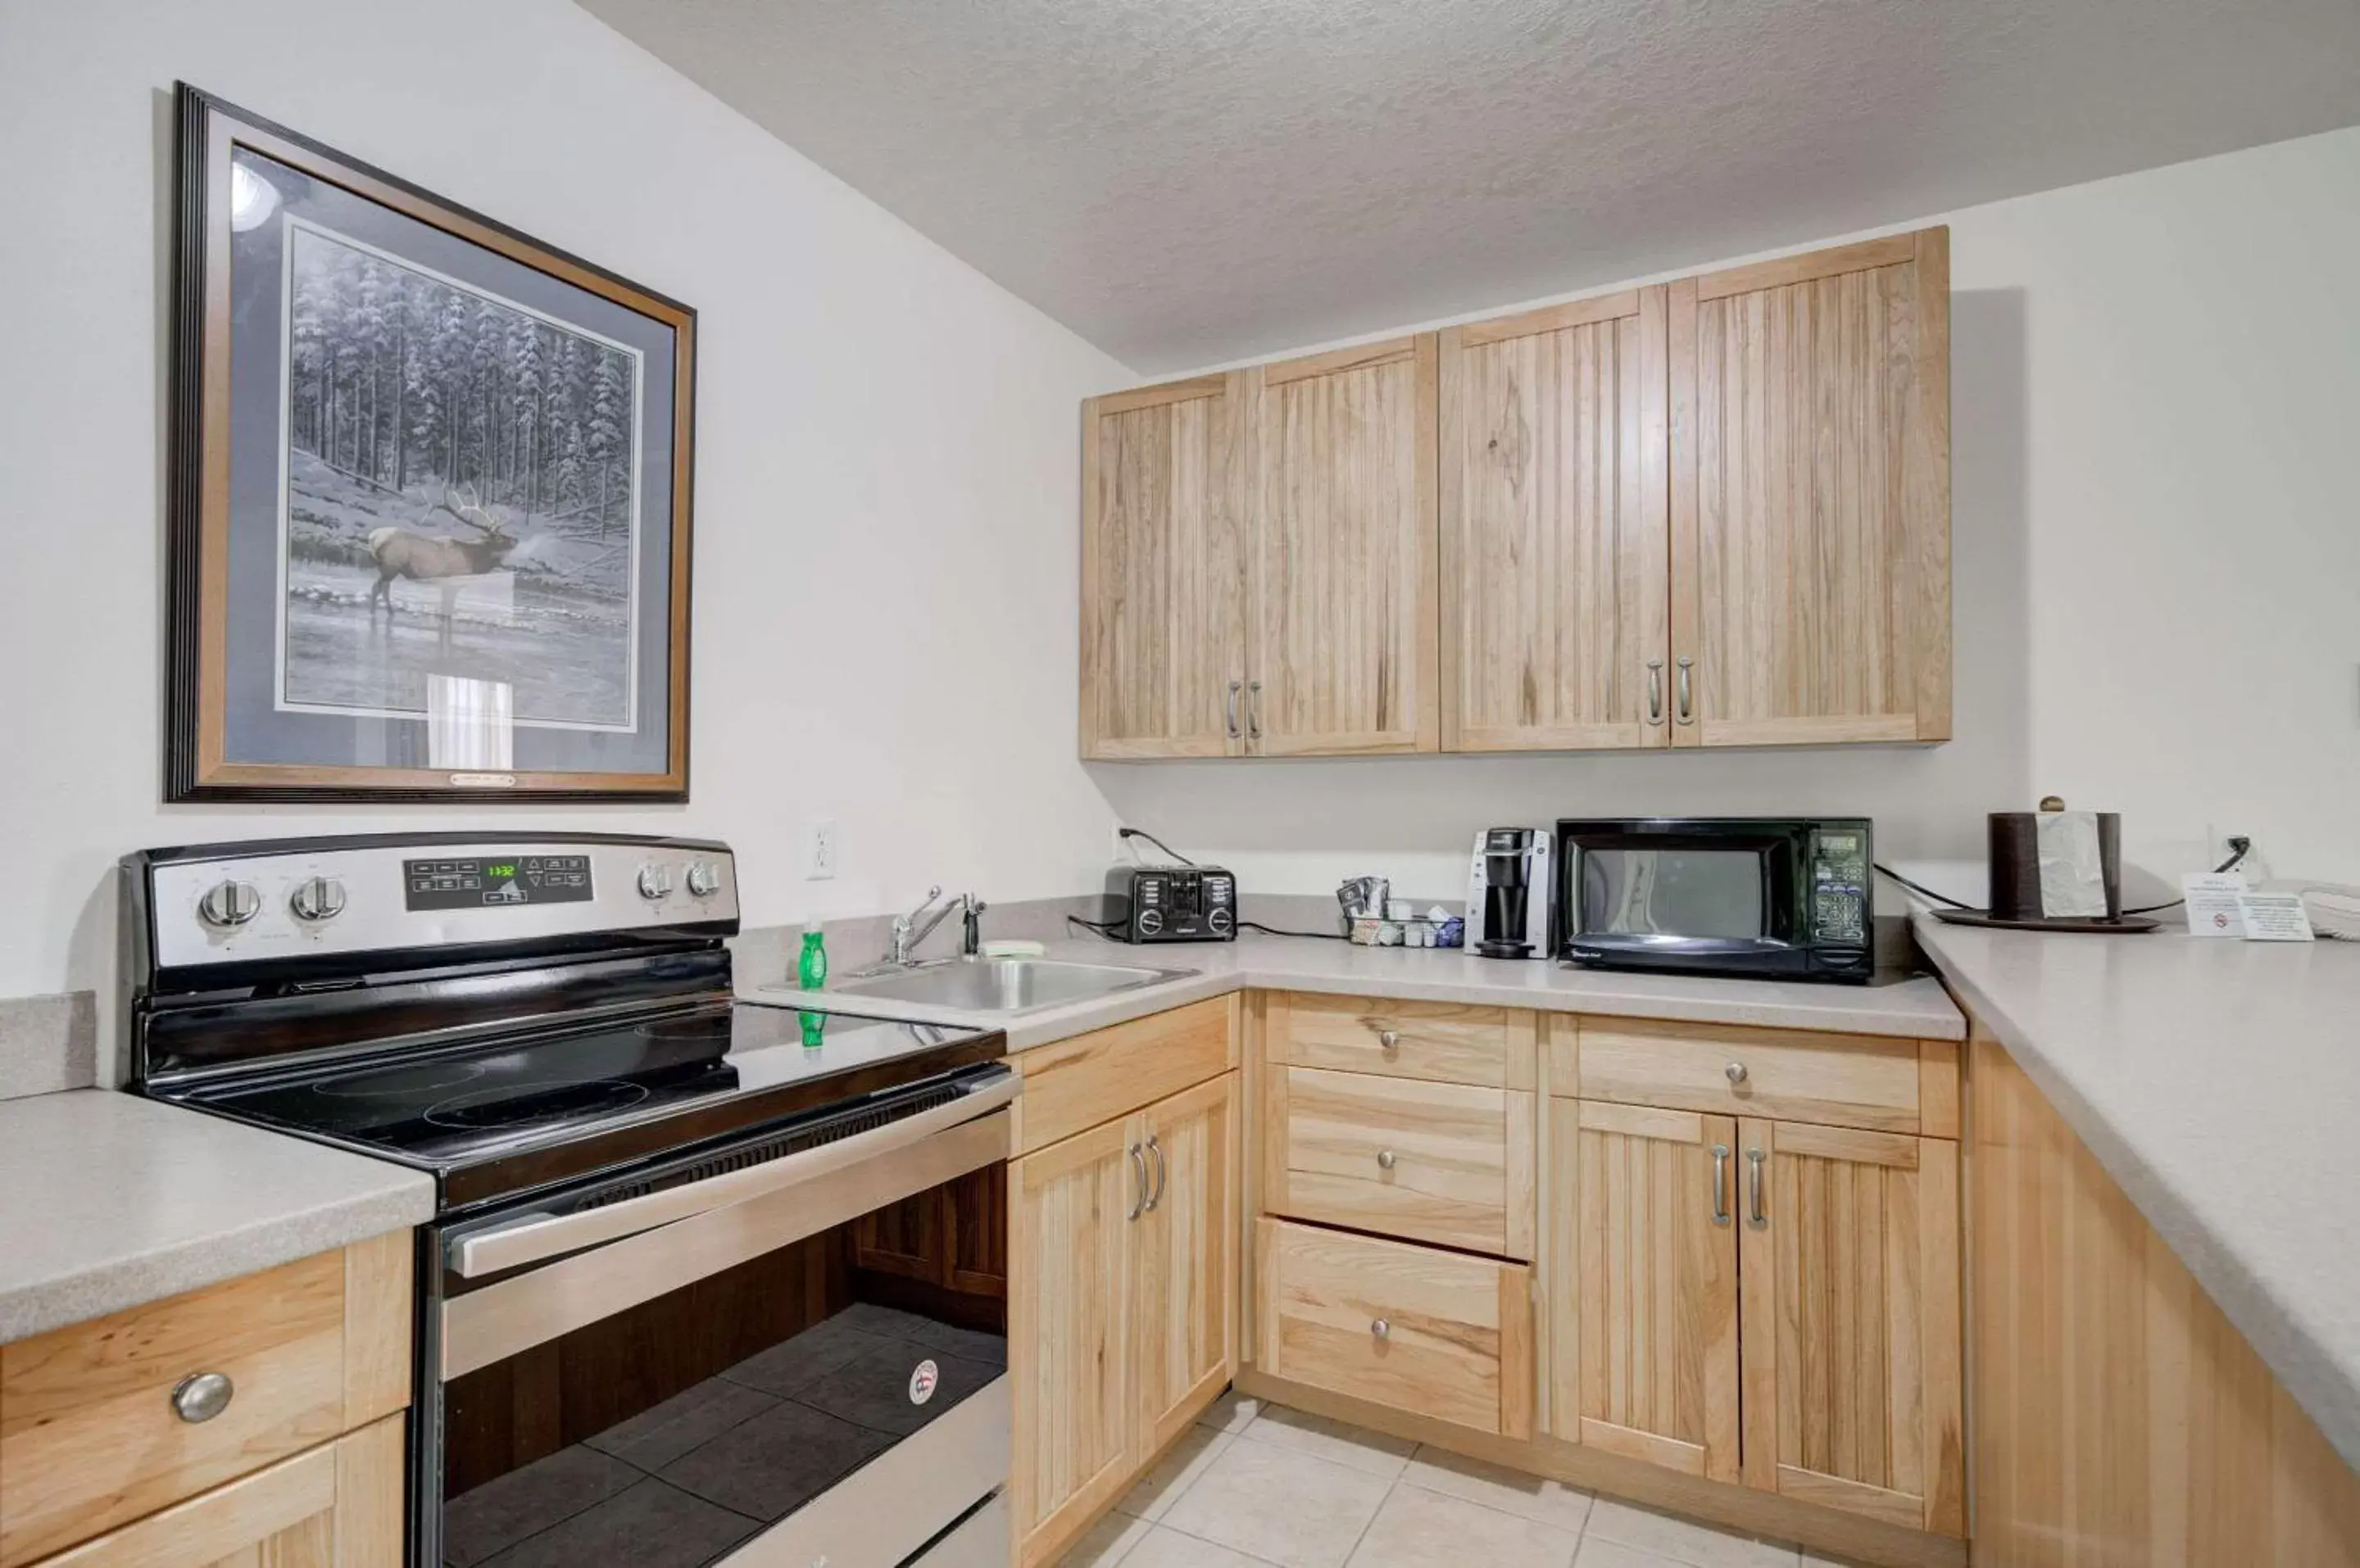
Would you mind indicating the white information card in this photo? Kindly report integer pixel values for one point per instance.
(2275, 916)
(2213, 903)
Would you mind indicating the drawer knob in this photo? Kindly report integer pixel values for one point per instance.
(1384, 1159)
(201, 1396)
(1388, 1040)
(1381, 1329)
(1736, 1072)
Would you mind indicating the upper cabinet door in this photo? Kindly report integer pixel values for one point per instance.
(1165, 474)
(1345, 623)
(1811, 497)
(1555, 535)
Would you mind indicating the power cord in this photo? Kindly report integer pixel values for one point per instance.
(1129, 833)
(1103, 928)
(1921, 887)
(1273, 930)
(2242, 845)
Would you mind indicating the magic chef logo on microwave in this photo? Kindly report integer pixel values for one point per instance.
(924, 1377)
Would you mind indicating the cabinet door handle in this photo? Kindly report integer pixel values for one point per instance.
(1388, 1040)
(1385, 1160)
(1720, 1183)
(1755, 1214)
(1139, 1172)
(1686, 690)
(1654, 691)
(1381, 1329)
(1229, 708)
(1157, 1149)
(1734, 1073)
(1253, 710)
(201, 1396)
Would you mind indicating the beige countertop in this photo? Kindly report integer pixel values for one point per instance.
(2218, 1082)
(108, 1201)
(1915, 1007)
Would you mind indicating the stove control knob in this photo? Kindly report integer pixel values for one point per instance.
(704, 878)
(655, 881)
(320, 899)
(228, 905)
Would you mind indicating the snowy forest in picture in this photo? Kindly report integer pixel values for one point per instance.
(462, 495)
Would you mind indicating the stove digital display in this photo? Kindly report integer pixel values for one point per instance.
(495, 881)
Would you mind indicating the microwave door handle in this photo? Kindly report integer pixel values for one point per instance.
(531, 1238)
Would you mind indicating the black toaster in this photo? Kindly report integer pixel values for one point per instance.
(1170, 903)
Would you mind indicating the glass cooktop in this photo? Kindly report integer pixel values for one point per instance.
(690, 1075)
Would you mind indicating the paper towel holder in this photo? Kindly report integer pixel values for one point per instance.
(2014, 851)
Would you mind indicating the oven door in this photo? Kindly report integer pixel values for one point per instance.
(787, 1350)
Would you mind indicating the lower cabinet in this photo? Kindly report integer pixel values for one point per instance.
(254, 1420)
(1444, 1334)
(1851, 1361)
(1072, 1246)
(1122, 1303)
(1713, 1268)
(1644, 1346)
(336, 1505)
(1184, 1280)
(1770, 1303)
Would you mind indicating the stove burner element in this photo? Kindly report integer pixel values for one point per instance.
(527, 1104)
(402, 1081)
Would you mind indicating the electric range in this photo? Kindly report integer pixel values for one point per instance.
(662, 1214)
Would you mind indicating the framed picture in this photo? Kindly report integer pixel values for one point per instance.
(429, 493)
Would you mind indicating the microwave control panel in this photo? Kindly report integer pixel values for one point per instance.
(1840, 886)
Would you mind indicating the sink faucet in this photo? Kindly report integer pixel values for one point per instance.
(913, 927)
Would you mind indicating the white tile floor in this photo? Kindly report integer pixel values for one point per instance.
(1257, 1486)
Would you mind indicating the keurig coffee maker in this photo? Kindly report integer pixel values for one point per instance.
(1508, 893)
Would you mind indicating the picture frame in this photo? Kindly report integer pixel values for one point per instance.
(429, 503)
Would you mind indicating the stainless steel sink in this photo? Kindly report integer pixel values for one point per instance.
(1005, 985)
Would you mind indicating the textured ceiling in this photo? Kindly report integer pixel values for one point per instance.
(1188, 181)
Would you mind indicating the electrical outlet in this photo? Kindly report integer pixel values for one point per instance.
(820, 851)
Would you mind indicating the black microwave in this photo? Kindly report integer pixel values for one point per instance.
(1773, 898)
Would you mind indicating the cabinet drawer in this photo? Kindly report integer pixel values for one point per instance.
(1077, 1084)
(1439, 1042)
(89, 1436)
(1442, 1162)
(1838, 1080)
(1437, 1334)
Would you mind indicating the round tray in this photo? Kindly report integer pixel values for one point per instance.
(2122, 927)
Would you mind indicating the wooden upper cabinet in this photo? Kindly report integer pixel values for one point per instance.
(1555, 538)
(1811, 497)
(1344, 558)
(1166, 473)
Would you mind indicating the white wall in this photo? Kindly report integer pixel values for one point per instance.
(886, 480)
(2155, 553)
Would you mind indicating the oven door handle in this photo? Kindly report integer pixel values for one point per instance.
(534, 1238)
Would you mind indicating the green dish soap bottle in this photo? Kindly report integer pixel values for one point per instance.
(811, 969)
